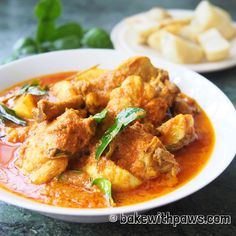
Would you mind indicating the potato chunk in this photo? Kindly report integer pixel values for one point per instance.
(121, 179)
(177, 132)
(24, 106)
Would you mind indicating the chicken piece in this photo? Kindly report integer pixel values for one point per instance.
(45, 153)
(129, 94)
(97, 91)
(154, 96)
(143, 154)
(63, 90)
(121, 179)
(185, 105)
(177, 132)
(47, 110)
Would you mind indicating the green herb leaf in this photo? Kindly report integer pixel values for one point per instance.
(128, 115)
(48, 10)
(24, 43)
(69, 42)
(107, 138)
(105, 187)
(1, 120)
(97, 38)
(9, 114)
(124, 118)
(33, 89)
(45, 31)
(68, 29)
(99, 117)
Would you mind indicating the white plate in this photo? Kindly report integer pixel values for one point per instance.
(124, 38)
(212, 100)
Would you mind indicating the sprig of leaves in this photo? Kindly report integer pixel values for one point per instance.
(105, 186)
(124, 118)
(50, 37)
(9, 114)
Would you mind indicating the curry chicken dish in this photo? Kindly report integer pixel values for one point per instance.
(101, 138)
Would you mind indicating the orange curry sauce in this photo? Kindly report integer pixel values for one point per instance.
(192, 160)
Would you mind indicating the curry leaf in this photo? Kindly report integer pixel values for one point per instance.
(9, 114)
(48, 10)
(124, 118)
(33, 89)
(107, 138)
(45, 31)
(97, 38)
(128, 115)
(99, 117)
(105, 186)
(68, 29)
(68, 42)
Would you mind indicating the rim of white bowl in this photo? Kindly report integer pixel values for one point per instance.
(144, 206)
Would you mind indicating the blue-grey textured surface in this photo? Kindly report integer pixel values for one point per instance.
(17, 20)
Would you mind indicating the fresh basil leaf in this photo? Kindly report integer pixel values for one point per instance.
(48, 10)
(69, 42)
(97, 38)
(124, 118)
(33, 89)
(105, 186)
(9, 114)
(99, 117)
(68, 29)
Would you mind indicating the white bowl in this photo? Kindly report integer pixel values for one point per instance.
(217, 106)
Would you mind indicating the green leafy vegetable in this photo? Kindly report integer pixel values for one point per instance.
(9, 114)
(33, 89)
(50, 37)
(124, 118)
(105, 187)
(1, 121)
(24, 43)
(99, 117)
(97, 38)
(48, 10)
(68, 29)
(69, 42)
(45, 31)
